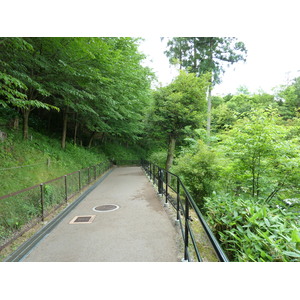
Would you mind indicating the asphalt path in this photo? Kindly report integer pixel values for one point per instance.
(139, 230)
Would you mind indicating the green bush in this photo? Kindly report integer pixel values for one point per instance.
(159, 158)
(198, 167)
(252, 232)
(119, 152)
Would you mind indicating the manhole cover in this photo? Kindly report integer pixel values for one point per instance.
(106, 208)
(82, 219)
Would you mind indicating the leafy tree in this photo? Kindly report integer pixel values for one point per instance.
(177, 106)
(201, 55)
(231, 108)
(199, 167)
(20, 71)
(98, 82)
(247, 184)
(263, 156)
(289, 99)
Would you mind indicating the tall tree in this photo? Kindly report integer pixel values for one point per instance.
(21, 81)
(177, 106)
(288, 97)
(99, 80)
(202, 55)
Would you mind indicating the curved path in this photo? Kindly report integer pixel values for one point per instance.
(140, 230)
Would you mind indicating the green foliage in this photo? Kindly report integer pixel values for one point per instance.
(119, 152)
(251, 232)
(19, 87)
(288, 97)
(199, 168)
(206, 54)
(263, 158)
(34, 154)
(244, 103)
(223, 117)
(11, 91)
(179, 104)
(99, 82)
(248, 179)
(158, 157)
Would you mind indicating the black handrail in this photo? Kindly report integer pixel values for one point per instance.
(161, 176)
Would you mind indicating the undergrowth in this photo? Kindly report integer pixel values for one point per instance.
(27, 163)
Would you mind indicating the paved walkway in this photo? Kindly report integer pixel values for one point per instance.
(139, 231)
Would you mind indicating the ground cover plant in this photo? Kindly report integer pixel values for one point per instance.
(247, 184)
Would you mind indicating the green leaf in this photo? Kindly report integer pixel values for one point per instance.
(295, 236)
(267, 222)
(292, 254)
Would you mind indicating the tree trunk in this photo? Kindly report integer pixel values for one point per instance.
(26, 113)
(64, 132)
(49, 121)
(208, 126)
(91, 139)
(209, 90)
(180, 55)
(171, 150)
(195, 59)
(75, 132)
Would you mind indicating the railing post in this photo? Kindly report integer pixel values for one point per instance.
(186, 230)
(66, 188)
(42, 201)
(160, 181)
(89, 175)
(178, 198)
(167, 182)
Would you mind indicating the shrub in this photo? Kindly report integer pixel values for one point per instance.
(251, 232)
(199, 169)
(159, 158)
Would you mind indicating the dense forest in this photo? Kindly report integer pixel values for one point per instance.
(238, 154)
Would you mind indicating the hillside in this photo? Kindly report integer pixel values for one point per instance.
(24, 163)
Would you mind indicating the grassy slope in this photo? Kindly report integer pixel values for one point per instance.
(16, 152)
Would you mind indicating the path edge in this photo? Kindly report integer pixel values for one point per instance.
(27, 246)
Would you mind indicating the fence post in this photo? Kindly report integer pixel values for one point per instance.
(186, 230)
(66, 188)
(79, 181)
(152, 172)
(42, 200)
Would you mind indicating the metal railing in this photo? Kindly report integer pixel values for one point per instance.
(174, 192)
(21, 210)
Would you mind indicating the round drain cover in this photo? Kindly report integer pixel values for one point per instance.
(106, 208)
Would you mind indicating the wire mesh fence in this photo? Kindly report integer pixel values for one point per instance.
(21, 210)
